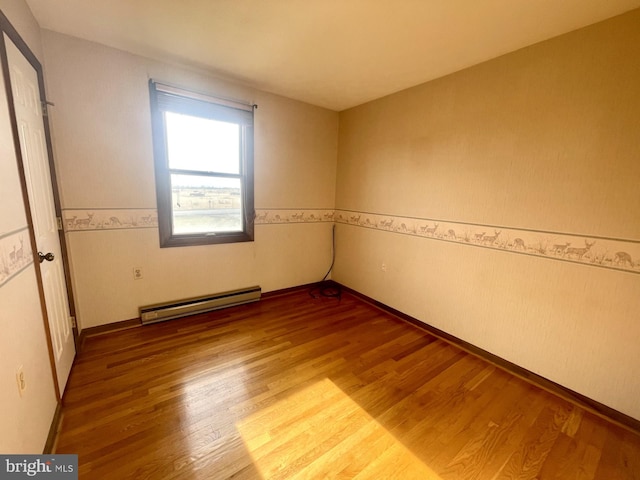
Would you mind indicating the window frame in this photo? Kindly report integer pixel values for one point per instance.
(198, 105)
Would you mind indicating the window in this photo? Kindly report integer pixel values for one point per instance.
(203, 149)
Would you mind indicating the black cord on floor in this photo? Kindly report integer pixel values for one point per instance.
(328, 288)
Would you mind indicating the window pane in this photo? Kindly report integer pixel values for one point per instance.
(202, 144)
(206, 204)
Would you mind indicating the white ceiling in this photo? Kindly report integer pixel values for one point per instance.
(331, 53)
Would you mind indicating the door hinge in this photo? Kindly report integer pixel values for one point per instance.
(45, 111)
(74, 324)
(59, 220)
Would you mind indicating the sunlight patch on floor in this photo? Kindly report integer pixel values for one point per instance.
(319, 432)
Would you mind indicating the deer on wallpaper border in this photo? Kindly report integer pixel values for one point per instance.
(623, 258)
(84, 222)
(432, 231)
(491, 239)
(477, 237)
(20, 251)
(560, 248)
(578, 253)
(518, 244)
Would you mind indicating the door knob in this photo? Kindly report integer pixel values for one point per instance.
(48, 257)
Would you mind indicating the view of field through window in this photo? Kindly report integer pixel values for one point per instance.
(207, 191)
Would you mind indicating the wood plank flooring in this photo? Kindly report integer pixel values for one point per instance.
(299, 388)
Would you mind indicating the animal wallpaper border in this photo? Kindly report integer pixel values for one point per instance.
(15, 254)
(99, 219)
(611, 253)
(269, 216)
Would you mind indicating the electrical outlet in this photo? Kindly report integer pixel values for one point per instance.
(383, 267)
(22, 383)
(137, 273)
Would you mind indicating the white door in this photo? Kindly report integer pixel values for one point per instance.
(26, 99)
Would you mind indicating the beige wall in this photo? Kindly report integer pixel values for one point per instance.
(540, 145)
(26, 419)
(102, 136)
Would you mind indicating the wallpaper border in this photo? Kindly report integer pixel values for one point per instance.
(101, 219)
(591, 250)
(268, 216)
(15, 254)
(596, 251)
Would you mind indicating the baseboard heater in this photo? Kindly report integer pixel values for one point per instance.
(191, 306)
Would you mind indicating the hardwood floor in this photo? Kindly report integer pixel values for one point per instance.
(294, 387)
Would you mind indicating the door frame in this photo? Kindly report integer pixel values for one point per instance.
(14, 36)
